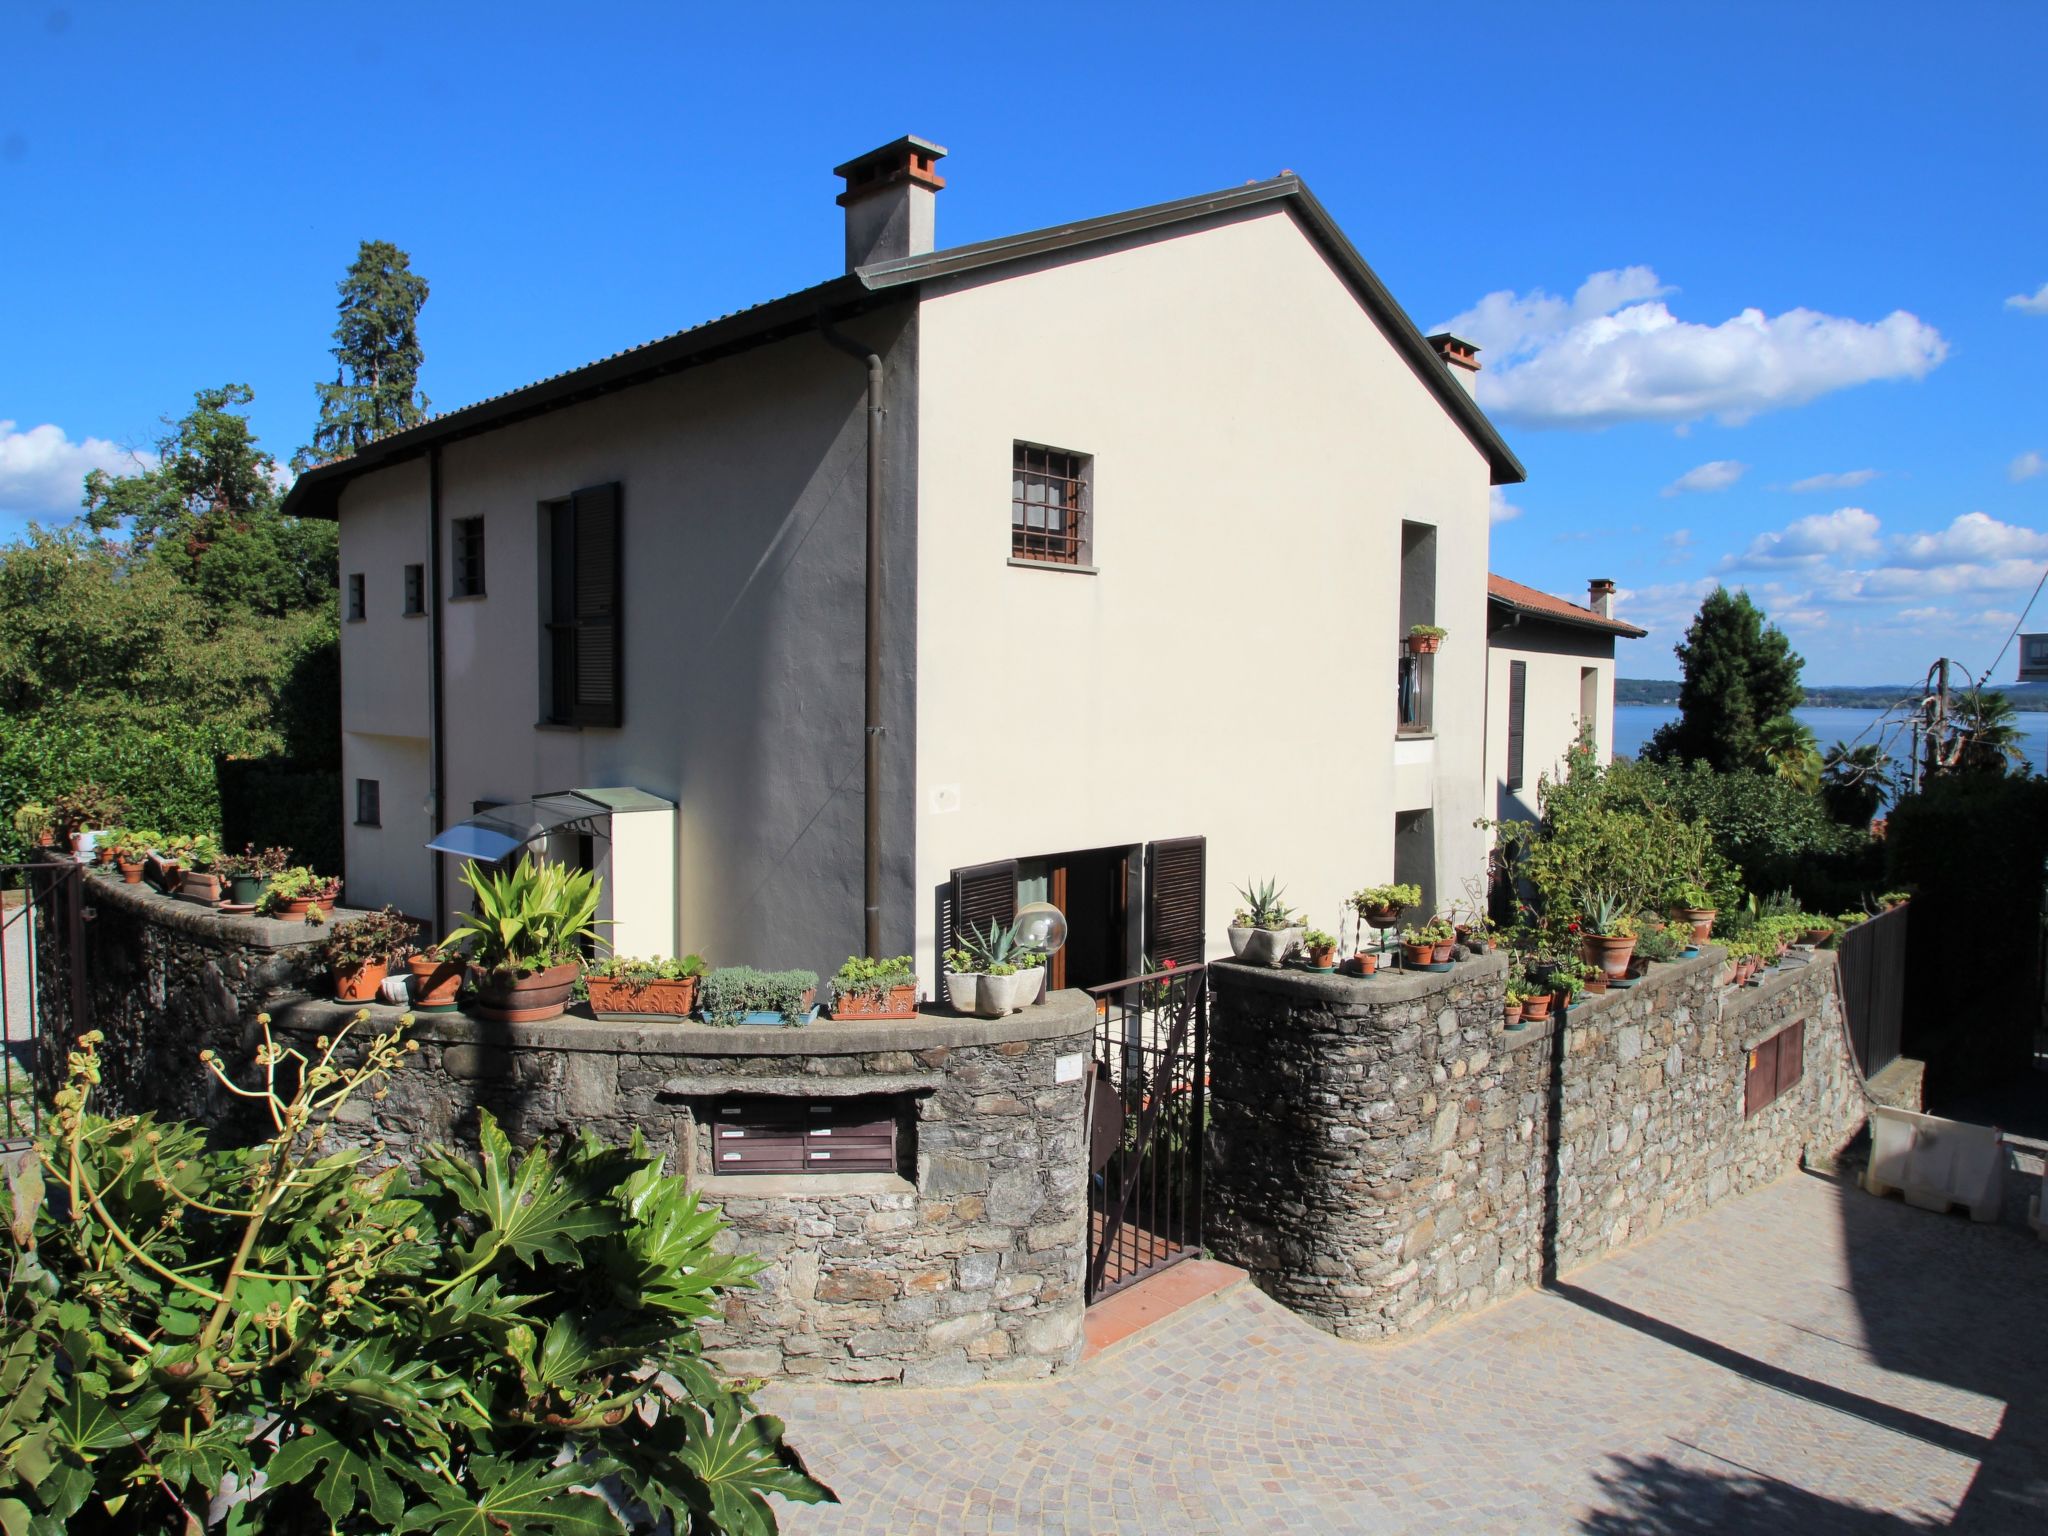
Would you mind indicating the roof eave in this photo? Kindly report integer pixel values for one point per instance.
(1619, 629)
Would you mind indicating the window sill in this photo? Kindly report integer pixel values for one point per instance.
(556, 725)
(414, 613)
(356, 618)
(1415, 733)
(1054, 565)
(467, 597)
(808, 1186)
(377, 824)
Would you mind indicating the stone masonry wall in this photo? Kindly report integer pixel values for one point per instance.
(963, 1265)
(1383, 1151)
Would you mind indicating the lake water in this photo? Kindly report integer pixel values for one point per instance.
(1635, 724)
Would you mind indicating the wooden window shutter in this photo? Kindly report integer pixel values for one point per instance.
(982, 894)
(1518, 694)
(597, 695)
(1176, 873)
(1791, 1057)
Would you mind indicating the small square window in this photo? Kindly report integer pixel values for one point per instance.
(355, 596)
(369, 811)
(415, 590)
(469, 557)
(1049, 505)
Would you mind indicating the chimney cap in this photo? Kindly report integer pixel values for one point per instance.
(909, 158)
(1601, 584)
(1455, 350)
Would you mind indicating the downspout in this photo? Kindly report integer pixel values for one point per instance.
(871, 793)
(437, 766)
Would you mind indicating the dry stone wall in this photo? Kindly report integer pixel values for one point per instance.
(1385, 1153)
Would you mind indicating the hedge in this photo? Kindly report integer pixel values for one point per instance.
(166, 772)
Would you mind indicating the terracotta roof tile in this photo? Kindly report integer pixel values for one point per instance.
(1512, 594)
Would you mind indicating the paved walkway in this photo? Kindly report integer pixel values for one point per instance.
(1808, 1359)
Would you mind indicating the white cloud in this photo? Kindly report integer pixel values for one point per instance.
(1846, 480)
(1974, 538)
(1845, 532)
(42, 472)
(1679, 538)
(2026, 466)
(2035, 303)
(1499, 509)
(1715, 475)
(1614, 352)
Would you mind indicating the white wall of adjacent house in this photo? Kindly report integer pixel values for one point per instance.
(1569, 684)
(384, 665)
(741, 535)
(1229, 669)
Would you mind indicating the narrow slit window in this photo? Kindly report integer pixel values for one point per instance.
(469, 557)
(415, 590)
(356, 600)
(369, 807)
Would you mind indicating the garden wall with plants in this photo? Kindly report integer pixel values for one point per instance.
(1384, 1153)
(961, 1262)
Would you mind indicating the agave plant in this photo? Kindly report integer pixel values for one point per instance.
(1263, 907)
(994, 951)
(1604, 912)
(528, 917)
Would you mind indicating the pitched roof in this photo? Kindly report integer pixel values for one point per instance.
(1516, 598)
(316, 492)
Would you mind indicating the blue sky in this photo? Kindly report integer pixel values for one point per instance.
(1598, 195)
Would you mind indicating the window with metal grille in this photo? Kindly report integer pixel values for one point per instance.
(1774, 1068)
(415, 590)
(1049, 512)
(356, 603)
(469, 557)
(369, 810)
(838, 1135)
(580, 663)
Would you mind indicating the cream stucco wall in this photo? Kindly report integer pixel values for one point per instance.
(1257, 443)
(1552, 706)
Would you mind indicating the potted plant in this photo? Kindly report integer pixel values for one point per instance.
(35, 824)
(89, 807)
(437, 976)
(1365, 962)
(247, 873)
(1567, 981)
(623, 984)
(739, 994)
(361, 951)
(867, 988)
(524, 932)
(202, 880)
(1511, 1011)
(1382, 905)
(1443, 942)
(1423, 639)
(1263, 931)
(133, 847)
(1609, 935)
(1891, 901)
(1693, 903)
(296, 891)
(992, 974)
(1321, 949)
(1535, 1007)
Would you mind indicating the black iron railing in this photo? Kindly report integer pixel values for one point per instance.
(41, 949)
(1148, 1116)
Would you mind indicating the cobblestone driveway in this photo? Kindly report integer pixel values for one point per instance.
(1807, 1359)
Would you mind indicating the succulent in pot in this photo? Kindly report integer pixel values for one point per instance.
(360, 952)
(1425, 638)
(202, 879)
(992, 973)
(869, 988)
(298, 891)
(739, 994)
(132, 849)
(623, 984)
(437, 976)
(1693, 903)
(250, 871)
(1264, 930)
(1516, 1003)
(1442, 939)
(1535, 1007)
(1609, 936)
(1321, 949)
(524, 932)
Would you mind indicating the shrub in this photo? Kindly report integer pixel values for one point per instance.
(475, 1345)
(732, 992)
(162, 775)
(375, 938)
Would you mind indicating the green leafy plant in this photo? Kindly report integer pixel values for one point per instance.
(1691, 896)
(1263, 907)
(32, 819)
(1386, 897)
(297, 883)
(1438, 930)
(1660, 941)
(529, 917)
(728, 994)
(1314, 939)
(632, 972)
(89, 804)
(993, 951)
(375, 938)
(468, 1348)
(134, 844)
(1427, 632)
(866, 976)
(202, 852)
(261, 864)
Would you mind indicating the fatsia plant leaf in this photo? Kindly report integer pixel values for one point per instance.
(86, 1422)
(348, 1474)
(514, 1500)
(739, 1460)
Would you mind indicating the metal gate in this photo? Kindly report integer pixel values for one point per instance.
(42, 982)
(1148, 1114)
(1872, 959)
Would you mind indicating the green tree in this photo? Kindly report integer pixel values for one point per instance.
(377, 356)
(1855, 782)
(1740, 674)
(1983, 735)
(1792, 751)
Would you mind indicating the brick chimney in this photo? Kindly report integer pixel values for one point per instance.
(1460, 356)
(1600, 596)
(889, 201)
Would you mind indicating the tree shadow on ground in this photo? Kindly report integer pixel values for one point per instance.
(1656, 1496)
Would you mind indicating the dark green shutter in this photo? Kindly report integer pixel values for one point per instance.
(1176, 873)
(1518, 691)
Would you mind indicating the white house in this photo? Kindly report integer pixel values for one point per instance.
(1549, 686)
(1077, 562)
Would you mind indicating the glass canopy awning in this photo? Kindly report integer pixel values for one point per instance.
(502, 830)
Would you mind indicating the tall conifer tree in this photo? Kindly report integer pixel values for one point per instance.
(1741, 675)
(377, 356)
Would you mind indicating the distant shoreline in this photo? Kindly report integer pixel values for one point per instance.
(1664, 693)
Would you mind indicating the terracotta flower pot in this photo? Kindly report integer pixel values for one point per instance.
(299, 906)
(1383, 917)
(523, 997)
(131, 872)
(1424, 645)
(1513, 1014)
(1702, 920)
(435, 983)
(1537, 1008)
(673, 998)
(1417, 954)
(1441, 953)
(1365, 963)
(898, 1002)
(1324, 959)
(1596, 983)
(1608, 955)
(359, 983)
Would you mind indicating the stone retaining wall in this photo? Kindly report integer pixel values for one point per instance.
(1385, 1153)
(963, 1265)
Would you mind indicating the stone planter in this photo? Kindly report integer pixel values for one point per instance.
(995, 996)
(1263, 946)
(674, 998)
(523, 997)
(898, 1002)
(435, 983)
(962, 987)
(359, 983)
